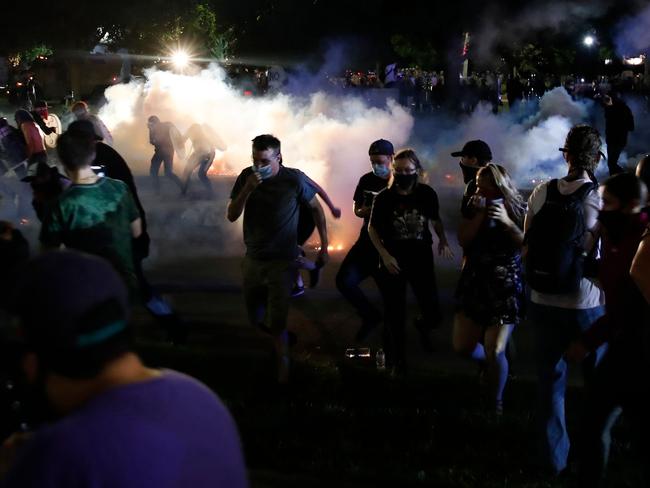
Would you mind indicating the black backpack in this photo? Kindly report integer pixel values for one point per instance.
(555, 259)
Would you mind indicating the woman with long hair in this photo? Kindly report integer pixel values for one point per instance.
(400, 228)
(491, 292)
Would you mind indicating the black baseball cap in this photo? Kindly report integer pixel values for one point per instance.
(72, 307)
(475, 149)
(381, 147)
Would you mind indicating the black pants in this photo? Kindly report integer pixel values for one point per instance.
(614, 149)
(166, 157)
(361, 262)
(619, 384)
(416, 270)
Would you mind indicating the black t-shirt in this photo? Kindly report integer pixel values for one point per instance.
(368, 187)
(272, 211)
(402, 221)
(466, 210)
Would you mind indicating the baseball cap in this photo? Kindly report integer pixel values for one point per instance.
(477, 149)
(84, 128)
(72, 307)
(381, 147)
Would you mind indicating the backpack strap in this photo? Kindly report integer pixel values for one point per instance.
(553, 191)
(582, 192)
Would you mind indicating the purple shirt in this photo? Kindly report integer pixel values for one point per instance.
(167, 432)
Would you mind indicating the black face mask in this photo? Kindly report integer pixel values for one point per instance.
(405, 182)
(469, 172)
(615, 223)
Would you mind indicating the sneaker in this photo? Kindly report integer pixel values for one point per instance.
(314, 276)
(297, 291)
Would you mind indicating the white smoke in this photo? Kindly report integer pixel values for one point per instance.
(325, 136)
(528, 148)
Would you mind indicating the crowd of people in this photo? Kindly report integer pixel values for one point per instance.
(574, 260)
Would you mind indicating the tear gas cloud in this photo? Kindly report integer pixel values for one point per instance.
(323, 135)
(327, 136)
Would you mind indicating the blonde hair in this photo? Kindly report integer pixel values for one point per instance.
(514, 202)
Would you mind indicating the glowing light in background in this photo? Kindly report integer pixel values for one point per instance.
(636, 61)
(180, 59)
(589, 40)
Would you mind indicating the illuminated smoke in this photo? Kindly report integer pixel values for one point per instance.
(323, 135)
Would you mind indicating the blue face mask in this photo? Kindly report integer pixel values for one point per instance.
(380, 170)
(265, 172)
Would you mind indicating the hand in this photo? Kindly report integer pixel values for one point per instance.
(336, 212)
(498, 213)
(253, 181)
(323, 257)
(477, 202)
(576, 352)
(390, 263)
(444, 250)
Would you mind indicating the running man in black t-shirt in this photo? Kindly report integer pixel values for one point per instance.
(399, 228)
(362, 261)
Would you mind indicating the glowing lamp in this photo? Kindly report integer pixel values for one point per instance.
(180, 59)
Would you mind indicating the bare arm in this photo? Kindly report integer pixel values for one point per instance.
(321, 226)
(443, 245)
(640, 270)
(236, 205)
(336, 212)
(136, 228)
(389, 261)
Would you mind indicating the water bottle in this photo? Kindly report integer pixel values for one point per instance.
(490, 203)
(380, 359)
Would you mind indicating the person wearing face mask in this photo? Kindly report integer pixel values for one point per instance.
(620, 378)
(400, 229)
(362, 260)
(491, 291)
(473, 156)
(269, 195)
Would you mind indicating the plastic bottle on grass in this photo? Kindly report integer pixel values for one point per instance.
(380, 359)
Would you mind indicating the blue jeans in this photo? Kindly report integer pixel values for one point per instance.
(555, 328)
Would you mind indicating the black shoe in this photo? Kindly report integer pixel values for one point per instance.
(297, 291)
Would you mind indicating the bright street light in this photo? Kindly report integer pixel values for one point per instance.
(589, 41)
(180, 59)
